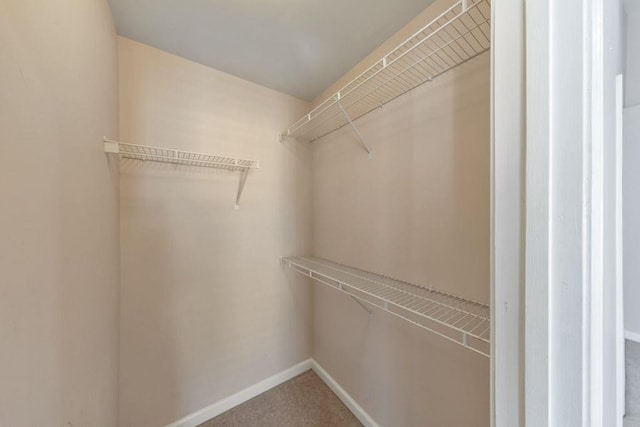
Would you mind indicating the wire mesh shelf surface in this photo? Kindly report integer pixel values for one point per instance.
(459, 34)
(187, 158)
(457, 319)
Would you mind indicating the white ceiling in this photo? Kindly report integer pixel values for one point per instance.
(299, 47)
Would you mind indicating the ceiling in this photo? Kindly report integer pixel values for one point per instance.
(298, 47)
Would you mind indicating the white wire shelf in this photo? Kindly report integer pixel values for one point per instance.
(459, 34)
(184, 158)
(457, 319)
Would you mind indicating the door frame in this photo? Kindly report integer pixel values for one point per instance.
(553, 159)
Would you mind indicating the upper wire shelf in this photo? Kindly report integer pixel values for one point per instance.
(457, 319)
(457, 35)
(185, 158)
(168, 155)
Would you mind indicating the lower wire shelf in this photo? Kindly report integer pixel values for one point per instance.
(457, 319)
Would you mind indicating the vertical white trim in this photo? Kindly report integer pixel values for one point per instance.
(507, 211)
(538, 155)
(619, 312)
(492, 226)
(594, 180)
(492, 232)
(564, 321)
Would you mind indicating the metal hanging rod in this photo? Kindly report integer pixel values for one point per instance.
(185, 158)
(460, 320)
(457, 35)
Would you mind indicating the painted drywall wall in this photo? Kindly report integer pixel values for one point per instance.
(59, 215)
(419, 211)
(207, 310)
(612, 335)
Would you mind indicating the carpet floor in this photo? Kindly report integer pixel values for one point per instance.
(302, 401)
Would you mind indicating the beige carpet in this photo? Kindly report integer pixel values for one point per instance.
(302, 401)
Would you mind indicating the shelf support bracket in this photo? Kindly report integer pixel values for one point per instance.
(355, 129)
(364, 307)
(243, 178)
(111, 147)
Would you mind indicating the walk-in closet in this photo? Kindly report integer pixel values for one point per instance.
(296, 213)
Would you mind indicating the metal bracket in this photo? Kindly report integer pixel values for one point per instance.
(110, 147)
(166, 155)
(243, 179)
(364, 307)
(355, 129)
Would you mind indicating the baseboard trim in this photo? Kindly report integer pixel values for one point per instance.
(221, 406)
(346, 398)
(632, 336)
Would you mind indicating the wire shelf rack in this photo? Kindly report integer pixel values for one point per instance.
(457, 319)
(459, 34)
(186, 158)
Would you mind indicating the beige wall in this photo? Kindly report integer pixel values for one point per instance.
(59, 214)
(418, 211)
(206, 308)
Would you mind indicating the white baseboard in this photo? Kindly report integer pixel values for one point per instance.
(221, 406)
(242, 396)
(349, 402)
(632, 336)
